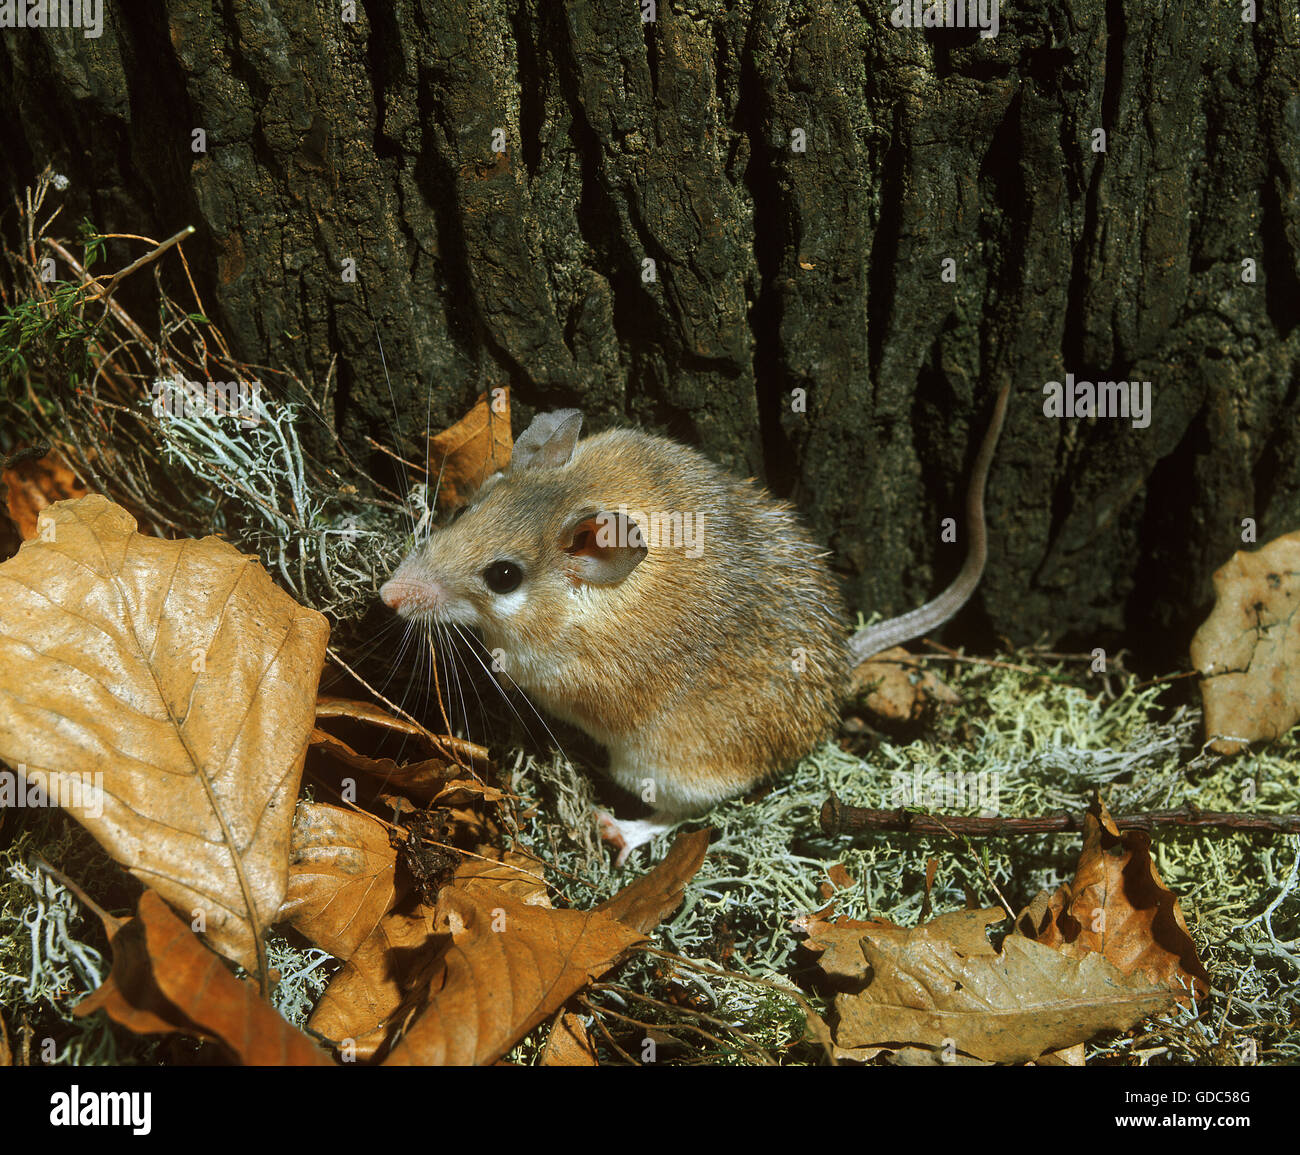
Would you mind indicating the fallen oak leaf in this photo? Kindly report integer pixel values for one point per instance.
(173, 685)
(839, 943)
(342, 877)
(363, 997)
(1117, 905)
(568, 1044)
(165, 981)
(1248, 649)
(942, 985)
(509, 965)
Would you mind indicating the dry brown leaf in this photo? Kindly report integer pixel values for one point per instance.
(492, 961)
(366, 713)
(34, 484)
(1248, 649)
(421, 780)
(645, 902)
(1069, 1057)
(839, 942)
(896, 686)
(463, 457)
(519, 874)
(941, 985)
(509, 966)
(929, 1057)
(399, 954)
(569, 1045)
(838, 878)
(181, 674)
(342, 877)
(164, 980)
(6, 1052)
(364, 995)
(467, 792)
(1118, 906)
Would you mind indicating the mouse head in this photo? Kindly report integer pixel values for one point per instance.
(534, 546)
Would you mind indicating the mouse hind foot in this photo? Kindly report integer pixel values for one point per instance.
(624, 835)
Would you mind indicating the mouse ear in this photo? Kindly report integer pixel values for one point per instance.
(607, 547)
(549, 441)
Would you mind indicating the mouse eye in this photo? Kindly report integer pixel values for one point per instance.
(503, 576)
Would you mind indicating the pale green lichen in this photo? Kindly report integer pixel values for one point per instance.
(1048, 742)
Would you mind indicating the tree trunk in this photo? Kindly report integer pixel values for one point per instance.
(731, 223)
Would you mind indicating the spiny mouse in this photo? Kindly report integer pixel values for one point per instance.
(679, 615)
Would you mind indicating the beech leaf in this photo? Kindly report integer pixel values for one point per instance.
(370, 987)
(508, 967)
(569, 1045)
(166, 689)
(647, 901)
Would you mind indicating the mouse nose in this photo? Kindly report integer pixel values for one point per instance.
(407, 596)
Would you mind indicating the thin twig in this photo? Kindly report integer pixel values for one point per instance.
(948, 653)
(836, 818)
(117, 310)
(121, 275)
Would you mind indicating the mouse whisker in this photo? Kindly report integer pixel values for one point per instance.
(453, 643)
(470, 642)
(451, 676)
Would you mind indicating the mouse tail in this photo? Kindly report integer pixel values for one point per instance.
(895, 631)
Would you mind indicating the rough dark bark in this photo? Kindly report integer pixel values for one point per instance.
(777, 270)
